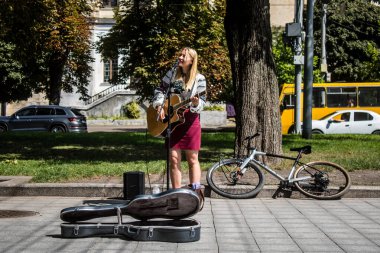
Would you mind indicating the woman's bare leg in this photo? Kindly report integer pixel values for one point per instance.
(175, 168)
(194, 166)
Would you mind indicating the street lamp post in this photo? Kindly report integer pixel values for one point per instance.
(298, 68)
(308, 86)
(323, 46)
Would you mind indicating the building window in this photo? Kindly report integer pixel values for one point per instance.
(109, 3)
(110, 69)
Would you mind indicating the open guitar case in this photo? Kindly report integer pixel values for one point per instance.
(170, 211)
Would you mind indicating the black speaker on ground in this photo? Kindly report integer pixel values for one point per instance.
(134, 184)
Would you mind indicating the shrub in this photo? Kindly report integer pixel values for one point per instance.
(132, 110)
(214, 108)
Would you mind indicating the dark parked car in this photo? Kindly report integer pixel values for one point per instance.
(50, 118)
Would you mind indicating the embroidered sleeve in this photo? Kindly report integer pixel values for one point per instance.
(201, 86)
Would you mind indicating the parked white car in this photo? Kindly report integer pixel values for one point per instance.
(348, 122)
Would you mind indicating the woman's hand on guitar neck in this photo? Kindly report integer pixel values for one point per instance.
(194, 101)
(161, 112)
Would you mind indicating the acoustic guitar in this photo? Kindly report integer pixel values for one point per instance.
(156, 126)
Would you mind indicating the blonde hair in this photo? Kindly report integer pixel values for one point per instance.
(190, 77)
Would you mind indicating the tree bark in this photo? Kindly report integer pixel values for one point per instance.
(249, 39)
(56, 67)
(3, 109)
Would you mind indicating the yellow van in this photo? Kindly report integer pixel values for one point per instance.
(329, 97)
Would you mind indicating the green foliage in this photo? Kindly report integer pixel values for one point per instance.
(283, 56)
(150, 36)
(51, 40)
(214, 108)
(373, 64)
(132, 110)
(352, 39)
(12, 82)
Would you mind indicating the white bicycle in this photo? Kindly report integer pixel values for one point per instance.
(239, 178)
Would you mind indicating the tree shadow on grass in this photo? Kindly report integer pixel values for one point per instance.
(98, 147)
(117, 147)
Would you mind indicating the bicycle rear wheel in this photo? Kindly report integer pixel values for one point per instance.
(328, 180)
(225, 179)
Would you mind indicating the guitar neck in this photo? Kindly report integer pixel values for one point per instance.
(184, 102)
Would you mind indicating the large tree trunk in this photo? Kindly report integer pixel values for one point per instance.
(255, 83)
(3, 109)
(56, 66)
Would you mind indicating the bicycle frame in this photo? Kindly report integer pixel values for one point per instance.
(290, 177)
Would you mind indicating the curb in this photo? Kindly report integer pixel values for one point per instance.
(116, 190)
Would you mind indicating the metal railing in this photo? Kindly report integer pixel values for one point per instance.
(104, 93)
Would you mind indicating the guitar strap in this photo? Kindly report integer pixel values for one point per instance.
(194, 88)
(192, 92)
(173, 73)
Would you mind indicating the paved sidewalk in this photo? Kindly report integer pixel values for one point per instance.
(252, 225)
(20, 186)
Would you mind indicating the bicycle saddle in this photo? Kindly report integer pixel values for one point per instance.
(305, 150)
(172, 204)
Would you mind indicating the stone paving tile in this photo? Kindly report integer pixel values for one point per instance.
(361, 248)
(347, 241)
(116, 244)
(200, 247)
(283, 235)
(156, 246)
(235, 240)
(314, 241)
(268, 229)
(321, 248)
(375, 240)
(307, 235)
(237, 230)
(253, 225)
(279, 248)
(373, 237)
(238, 251)
(238, 247)
(351, 235)
(272, 241)
(264, 225)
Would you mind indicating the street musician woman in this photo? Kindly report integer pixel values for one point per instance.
(188, 83)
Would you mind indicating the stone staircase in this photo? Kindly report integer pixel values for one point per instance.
(109, 102)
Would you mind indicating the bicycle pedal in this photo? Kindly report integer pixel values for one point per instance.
(287, 189)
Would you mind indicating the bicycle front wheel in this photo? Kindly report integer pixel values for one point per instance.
(226, 179)
(323, 180)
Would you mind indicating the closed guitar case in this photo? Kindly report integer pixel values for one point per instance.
(173, 206)
(186, 230)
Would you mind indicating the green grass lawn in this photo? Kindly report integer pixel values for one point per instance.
(63, 157)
